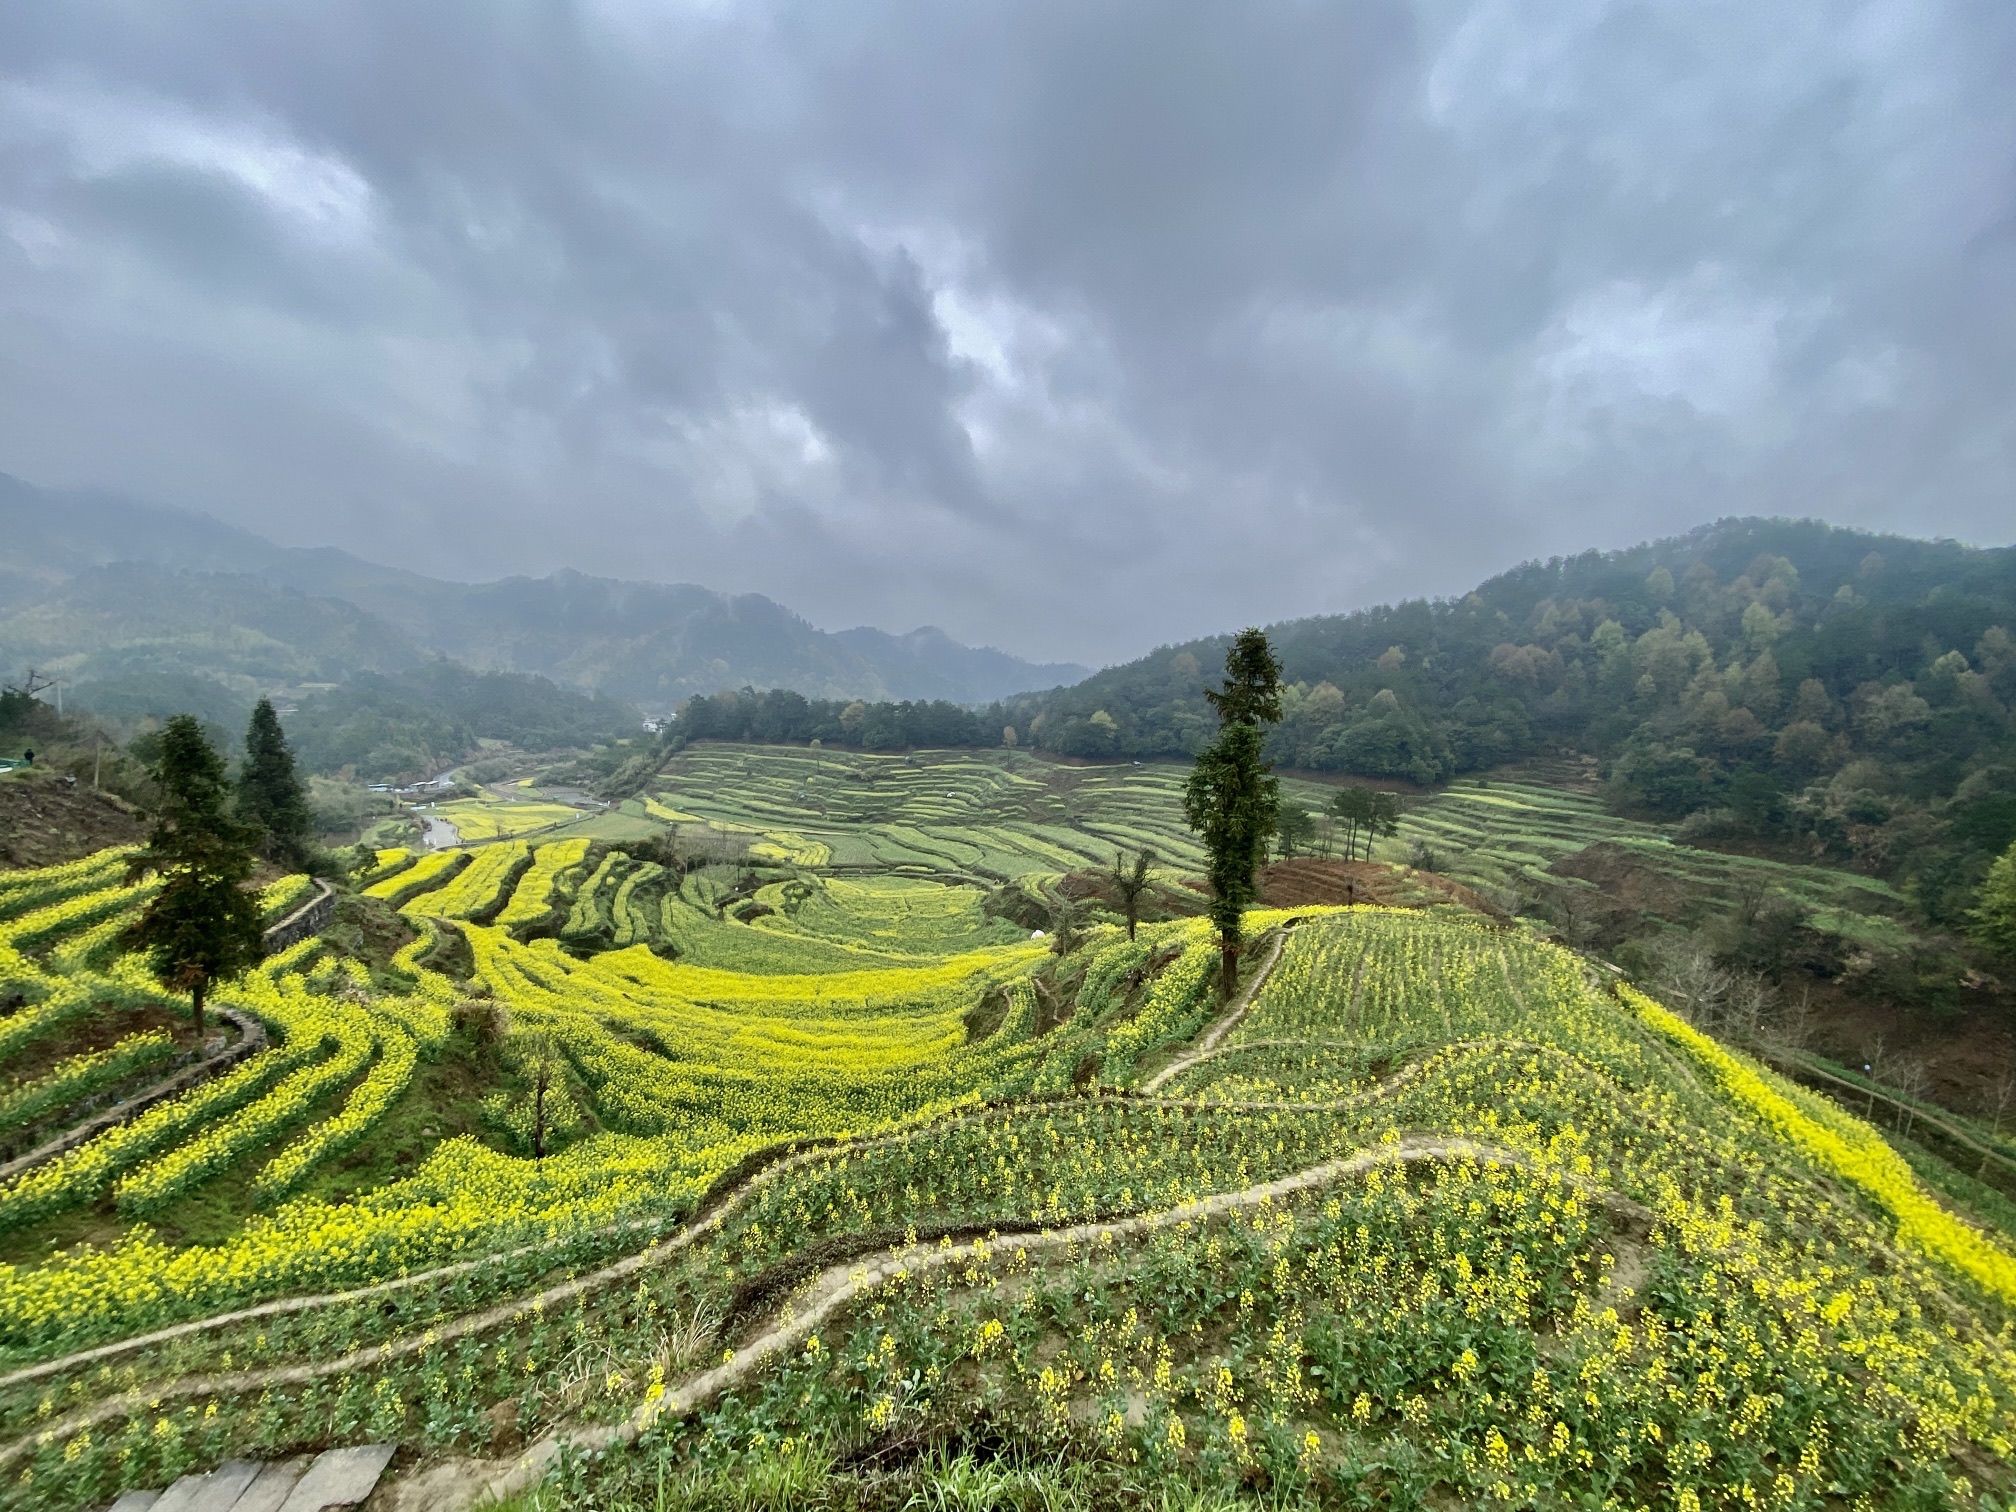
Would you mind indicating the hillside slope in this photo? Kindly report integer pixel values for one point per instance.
(45, 821)
(1427, 1218)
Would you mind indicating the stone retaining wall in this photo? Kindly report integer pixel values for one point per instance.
(310, 918)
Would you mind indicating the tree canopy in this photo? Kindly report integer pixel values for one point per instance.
(1994, 915)
(271, 799)
(1366, 814)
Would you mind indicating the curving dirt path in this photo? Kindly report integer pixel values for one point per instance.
(271, 1309)
(308, 919)
(723, 1208)
(460, 1484)
(1229, 1020)
(285, 1305)
(724, 1205)
(658, 1252)
(1200, 1057)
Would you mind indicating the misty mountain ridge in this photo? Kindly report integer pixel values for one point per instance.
(102, 590)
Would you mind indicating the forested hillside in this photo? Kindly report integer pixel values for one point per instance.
(1779, 682)
(1773, 678)
(432, 717)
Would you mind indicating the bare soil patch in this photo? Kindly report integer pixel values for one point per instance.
(46, 820)
(1308, 879)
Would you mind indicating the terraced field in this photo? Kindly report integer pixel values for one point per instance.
(998, 815)
(992, 815)
(1505, 835)
(490, 817)
(810, 1183)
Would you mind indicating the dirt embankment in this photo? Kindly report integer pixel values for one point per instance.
(1291, 884)
(45, 821)
(1306, 880)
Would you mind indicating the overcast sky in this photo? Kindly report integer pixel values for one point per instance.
(1072, 328)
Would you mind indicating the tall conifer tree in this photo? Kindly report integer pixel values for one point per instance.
(202, 927)
(270, 795)
(1231, 800)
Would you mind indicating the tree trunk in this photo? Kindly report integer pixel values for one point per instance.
(539, 1115)
(1132, 909)
(1228, 965)
(196, 1003)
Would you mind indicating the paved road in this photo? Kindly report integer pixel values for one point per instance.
(440, 834)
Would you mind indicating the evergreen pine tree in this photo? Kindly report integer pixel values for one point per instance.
(270, 795)
(1231, 801)
(202, 927)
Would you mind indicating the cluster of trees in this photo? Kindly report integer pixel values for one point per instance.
(202, 926)
(1994, 916)
(780, 715)
(1356, 816)
(1558, 652)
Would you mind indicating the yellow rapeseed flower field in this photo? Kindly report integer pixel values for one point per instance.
(1431, 1219)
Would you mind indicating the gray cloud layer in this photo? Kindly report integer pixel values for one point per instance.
(1071, 327)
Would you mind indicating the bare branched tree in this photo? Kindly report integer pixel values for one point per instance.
(1910, 1078)
(1067, 924)
(543, 1064)
(1131, 882)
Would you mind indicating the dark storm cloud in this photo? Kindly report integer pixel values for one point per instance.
(1071, 327)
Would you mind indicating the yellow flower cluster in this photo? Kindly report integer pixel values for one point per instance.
(1563, 1266)
(476, 888)
(42, 926)
(533, 897)
(22, 891)
(276, 901)
(426, 871)
(1847, 1148)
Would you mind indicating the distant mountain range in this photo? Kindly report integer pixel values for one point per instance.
(123, 596)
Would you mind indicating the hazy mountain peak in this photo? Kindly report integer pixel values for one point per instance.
(652, 644)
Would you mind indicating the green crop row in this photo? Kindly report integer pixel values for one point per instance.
(405, 883)
(391, 1073)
